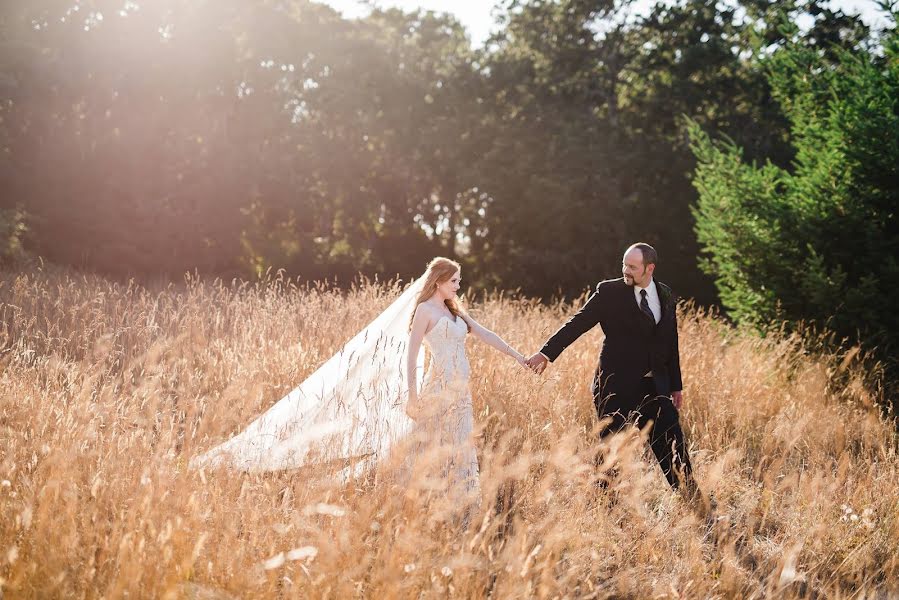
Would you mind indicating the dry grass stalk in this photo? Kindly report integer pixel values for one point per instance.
(106, 390)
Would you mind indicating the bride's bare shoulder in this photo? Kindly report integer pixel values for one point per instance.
(424, 311)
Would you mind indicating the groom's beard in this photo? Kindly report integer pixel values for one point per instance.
(629, 279)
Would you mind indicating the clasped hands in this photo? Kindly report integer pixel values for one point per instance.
(536, 362)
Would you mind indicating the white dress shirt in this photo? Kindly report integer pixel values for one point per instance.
(652, 296)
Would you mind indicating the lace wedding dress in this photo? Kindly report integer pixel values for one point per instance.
(444, 419)
(352, 410)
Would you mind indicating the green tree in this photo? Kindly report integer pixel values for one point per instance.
(232, 137)
(13, 228)
(705, 60)
(817, 241)
(589, 150)
(554, 168)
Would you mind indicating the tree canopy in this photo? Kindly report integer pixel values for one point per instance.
(817, 240)
(230, 137)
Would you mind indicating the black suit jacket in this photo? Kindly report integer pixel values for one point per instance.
(633, 345)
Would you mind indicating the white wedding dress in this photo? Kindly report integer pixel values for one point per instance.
(352, 410)
(446, 420)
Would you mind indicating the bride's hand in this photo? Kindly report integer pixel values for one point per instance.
(521, 360)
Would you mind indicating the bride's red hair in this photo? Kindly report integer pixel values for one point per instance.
(439, 270)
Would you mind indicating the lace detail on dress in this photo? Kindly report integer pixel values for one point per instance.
(445, 399)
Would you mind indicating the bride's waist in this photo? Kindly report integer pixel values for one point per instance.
(448, 361)
(449, 372)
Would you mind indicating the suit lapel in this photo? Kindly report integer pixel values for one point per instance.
(664, 293)
(661, 298)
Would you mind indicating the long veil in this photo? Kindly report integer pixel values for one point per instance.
(351, 409)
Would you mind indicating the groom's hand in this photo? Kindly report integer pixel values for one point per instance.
(677, 398)
(537, 363)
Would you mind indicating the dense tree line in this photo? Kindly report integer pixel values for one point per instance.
(146, 139)
(818, 241)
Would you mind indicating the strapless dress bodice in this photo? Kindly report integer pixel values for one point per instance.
(446, 342)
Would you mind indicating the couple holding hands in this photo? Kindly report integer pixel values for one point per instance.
(638, 378)
(365, 398)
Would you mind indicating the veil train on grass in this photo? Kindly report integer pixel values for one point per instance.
(352, 408)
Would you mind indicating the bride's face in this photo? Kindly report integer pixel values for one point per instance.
(450, 287)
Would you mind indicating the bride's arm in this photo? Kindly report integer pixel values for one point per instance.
(492, 339)
(416, 335)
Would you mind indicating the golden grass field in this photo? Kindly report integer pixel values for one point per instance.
(107, 390)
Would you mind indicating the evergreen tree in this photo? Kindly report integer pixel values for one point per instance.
(817, 241)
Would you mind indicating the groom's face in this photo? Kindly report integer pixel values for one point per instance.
(633, 269)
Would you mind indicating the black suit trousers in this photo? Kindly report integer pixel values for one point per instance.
(666, 436)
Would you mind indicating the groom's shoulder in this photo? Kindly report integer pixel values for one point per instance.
(664, 288)
(608, 284)
(666, 293)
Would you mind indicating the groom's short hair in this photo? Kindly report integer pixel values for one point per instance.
(650, 256)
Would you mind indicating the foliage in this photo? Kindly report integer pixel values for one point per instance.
(817, 241)
(235, 137)
(13, 229)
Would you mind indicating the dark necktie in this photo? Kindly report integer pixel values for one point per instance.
(644, 306)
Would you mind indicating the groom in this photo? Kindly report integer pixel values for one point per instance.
(638, 379)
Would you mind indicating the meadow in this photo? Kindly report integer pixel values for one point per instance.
(107, 389)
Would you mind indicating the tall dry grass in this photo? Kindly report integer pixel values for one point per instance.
(108, 389)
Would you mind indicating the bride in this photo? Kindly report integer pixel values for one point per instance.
(367, 397)
(442, 410)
